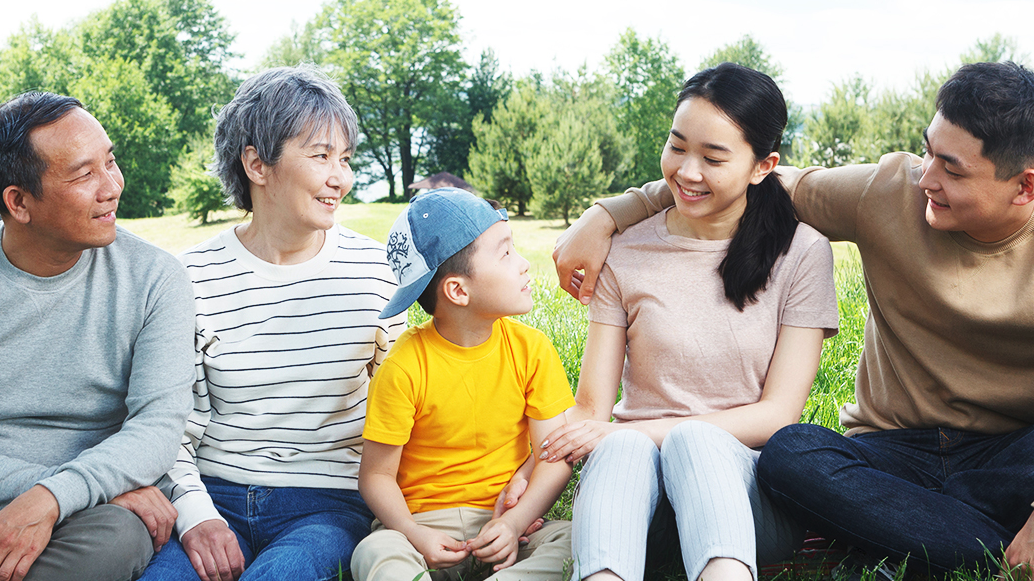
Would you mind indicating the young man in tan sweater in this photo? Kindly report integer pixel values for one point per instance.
(939, 459)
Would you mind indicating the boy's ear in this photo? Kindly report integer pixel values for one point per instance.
(454, 290)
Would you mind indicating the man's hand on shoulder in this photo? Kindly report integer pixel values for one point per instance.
(213, 551)
(1020, 552)
(154, 509)
(580, 252)
(25, 528)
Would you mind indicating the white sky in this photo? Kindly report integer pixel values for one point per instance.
(817, 42)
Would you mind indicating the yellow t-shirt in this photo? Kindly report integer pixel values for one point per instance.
(461, 414)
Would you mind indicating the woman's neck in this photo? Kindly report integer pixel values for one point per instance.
(719, 228)
(277, 245)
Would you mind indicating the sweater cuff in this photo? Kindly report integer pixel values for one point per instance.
(626, 209)
(71, 492)
(194, 508)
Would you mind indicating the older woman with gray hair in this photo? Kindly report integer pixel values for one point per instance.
(286, 339)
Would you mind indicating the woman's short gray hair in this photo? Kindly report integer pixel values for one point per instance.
(270, 108)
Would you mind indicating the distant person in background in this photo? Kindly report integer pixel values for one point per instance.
(95, 357)
(286, 340)
(938, 464)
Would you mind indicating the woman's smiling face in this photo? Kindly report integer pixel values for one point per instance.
(708, 165)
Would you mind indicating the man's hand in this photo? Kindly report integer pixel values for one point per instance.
(154, 509)
(25, 528)
(1020, 552)
(496, 543)
(440, 551)
(583, 247)
(213, 551)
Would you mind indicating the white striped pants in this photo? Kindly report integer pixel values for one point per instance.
(709, 477)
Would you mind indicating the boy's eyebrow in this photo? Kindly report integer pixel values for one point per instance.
(948, 158)
(714, 146)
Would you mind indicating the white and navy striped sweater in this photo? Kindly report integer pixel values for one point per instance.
(284, 357)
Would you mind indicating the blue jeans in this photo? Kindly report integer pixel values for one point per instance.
(284, 533)
(946, 497)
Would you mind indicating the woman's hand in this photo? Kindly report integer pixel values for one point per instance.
(572, 442)
(213, 551)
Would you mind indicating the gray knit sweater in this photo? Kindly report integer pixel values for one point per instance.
(96, 367)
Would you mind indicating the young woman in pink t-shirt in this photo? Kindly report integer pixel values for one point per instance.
(713, 311)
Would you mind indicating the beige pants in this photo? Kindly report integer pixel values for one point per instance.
(387, 555)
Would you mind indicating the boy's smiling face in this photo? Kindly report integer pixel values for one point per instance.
(499, 279)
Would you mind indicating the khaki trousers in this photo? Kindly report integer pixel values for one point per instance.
(387, 555)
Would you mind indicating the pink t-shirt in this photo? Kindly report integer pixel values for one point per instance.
(689, 351)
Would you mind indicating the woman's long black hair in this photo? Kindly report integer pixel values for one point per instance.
(753, 102)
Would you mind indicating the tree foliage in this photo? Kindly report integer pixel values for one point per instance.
(195, 190)
(397, 61)
(498, 163)
(647, 77)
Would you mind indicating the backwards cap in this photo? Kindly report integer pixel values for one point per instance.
(434, 226)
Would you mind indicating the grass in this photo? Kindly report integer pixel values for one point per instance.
(564, 320)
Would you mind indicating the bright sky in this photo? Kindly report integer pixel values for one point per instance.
(817, 42)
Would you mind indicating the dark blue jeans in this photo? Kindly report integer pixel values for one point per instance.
(284, 533)
(945, 497)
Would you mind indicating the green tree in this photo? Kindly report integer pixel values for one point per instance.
(647, 77)
(194, 189)
(37, 58)
(998, 48)
(304, 44)
(182, 46)
(140, 124)
(397, 60)
(498, 163)
(566, 168)
(450, 127)
(841, 130)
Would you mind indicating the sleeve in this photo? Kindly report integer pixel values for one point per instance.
(828, 199)
(606, 306)
(638, 204)
(17, 476)
(812, 300)
(157, 402)
(390, 405)
(183, 483)
(387, 332)
(547, 393)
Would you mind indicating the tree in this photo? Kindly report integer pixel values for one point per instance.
(647, 77)
(140, 124)
(566, 168)
(397, 60)
(36, 58)
(498, 163)
(195, 190)
(182, 46)
(998, 48)
(450, 128)
(840, 131)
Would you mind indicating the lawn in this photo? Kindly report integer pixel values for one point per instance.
(564, 320)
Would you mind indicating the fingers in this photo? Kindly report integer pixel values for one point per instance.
(571, 443)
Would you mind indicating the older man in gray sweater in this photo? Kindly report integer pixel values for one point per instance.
(96, 355)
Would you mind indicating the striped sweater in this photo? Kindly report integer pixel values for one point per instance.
(284, 354)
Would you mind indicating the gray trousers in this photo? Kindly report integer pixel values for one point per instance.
(103, 543)
(709, 477)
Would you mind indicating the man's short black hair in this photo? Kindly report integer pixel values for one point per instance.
(995, 103)
(459, 263)
(20, 164)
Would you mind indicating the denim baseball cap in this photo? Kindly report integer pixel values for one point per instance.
(435, 225)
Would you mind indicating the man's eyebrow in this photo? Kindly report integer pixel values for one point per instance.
(714, 146)
(85, 161)
(946, 157)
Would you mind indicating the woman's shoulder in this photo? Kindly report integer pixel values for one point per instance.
(805, 238)
(203, 253)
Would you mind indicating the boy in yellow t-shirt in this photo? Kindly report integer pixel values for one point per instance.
(453, 410)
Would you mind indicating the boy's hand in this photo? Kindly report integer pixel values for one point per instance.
(572, 442)
(496, 543)
(440, 551)
(508, 499)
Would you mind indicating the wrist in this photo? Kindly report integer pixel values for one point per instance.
(44, 501)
